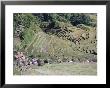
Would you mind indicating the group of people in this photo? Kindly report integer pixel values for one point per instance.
(22, 60)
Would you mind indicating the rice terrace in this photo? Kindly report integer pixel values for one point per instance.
(55, 44)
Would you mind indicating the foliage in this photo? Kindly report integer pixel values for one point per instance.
(23, 21)
(80, 19)
(64, 30)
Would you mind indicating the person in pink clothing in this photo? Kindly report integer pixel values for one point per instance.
(21, 59)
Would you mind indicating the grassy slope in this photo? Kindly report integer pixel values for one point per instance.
(44, 44)
(50, 44)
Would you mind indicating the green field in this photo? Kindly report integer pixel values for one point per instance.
(61, 69)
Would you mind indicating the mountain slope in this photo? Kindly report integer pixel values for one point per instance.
(58, 40)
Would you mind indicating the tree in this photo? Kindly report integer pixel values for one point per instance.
(23, 21)
(78, 18)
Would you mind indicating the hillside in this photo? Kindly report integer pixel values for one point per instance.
(56, 37)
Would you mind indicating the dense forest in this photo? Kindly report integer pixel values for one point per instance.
(56, 36)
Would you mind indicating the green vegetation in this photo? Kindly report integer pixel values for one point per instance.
(68, 34)
(57, 37)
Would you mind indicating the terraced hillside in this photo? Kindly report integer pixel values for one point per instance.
(63, 37)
